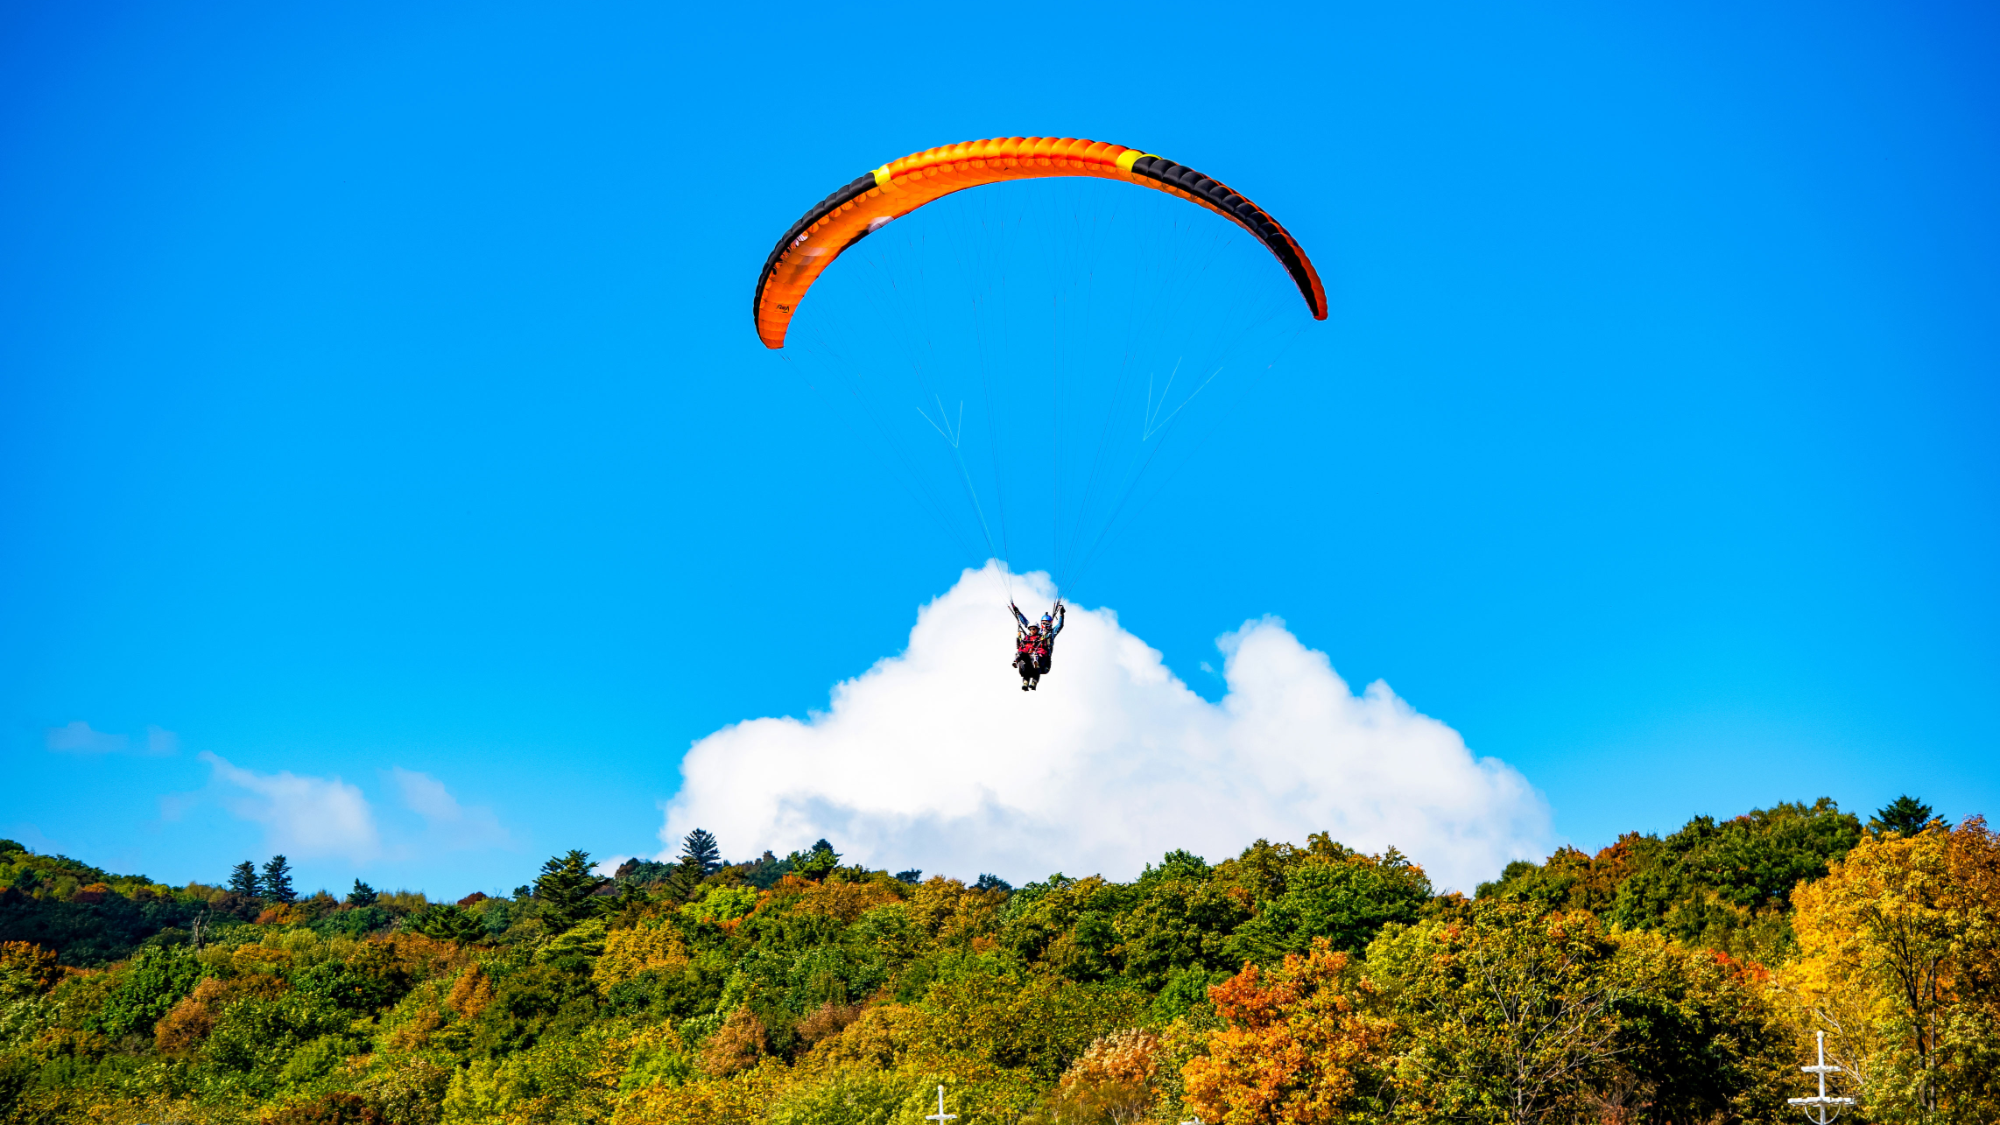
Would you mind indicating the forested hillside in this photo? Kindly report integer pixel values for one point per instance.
(1663, 979)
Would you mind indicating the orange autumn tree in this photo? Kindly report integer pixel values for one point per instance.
(1296, 1049)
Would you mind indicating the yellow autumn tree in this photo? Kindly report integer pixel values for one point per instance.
(651, 946)
(1899, 963)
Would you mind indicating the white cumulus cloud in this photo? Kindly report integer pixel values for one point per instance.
(302, 816)
(935, 759)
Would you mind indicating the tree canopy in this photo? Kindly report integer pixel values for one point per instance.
(1661, 979)
(1905, 815)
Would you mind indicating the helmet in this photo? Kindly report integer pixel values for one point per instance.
(1048, 617)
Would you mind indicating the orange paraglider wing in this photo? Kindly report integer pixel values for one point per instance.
(900, 187)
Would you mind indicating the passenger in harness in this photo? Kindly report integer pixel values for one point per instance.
(1027, 645)
(1034, 644)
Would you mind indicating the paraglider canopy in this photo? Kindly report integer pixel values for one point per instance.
(1043, 336)
(901, 186)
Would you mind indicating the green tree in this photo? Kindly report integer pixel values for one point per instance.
(1905, 814)
(815, 864)
(1507, 1014)
(361, 895)
(255, 1037)
(277, 881)
(699, 849)
(1721, 884)
(1175, 921)
(1067, 925)
(1698, 1037)
(853, 1096)
(564, 890)
(700, 858)
(243, 879)
(448, 923)
(1726, 885)
(1022, 1020)
(146, 988)
(1346, 900)
(1756, 859)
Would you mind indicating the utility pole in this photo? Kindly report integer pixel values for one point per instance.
(940, 1116)
(1820, 1109)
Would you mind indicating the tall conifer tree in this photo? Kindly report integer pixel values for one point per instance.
(563, 890)
(1905, 814)
(277, 880)
(243, 879)
(700, 850)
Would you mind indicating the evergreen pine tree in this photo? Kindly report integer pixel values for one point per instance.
(1905, 814)
(243, 879)
(361, 895)
(277, 881)
(683, 879)
(448, 923)
(563, 890)
(699, 848)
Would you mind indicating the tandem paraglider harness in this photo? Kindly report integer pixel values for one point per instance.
(1034, 646)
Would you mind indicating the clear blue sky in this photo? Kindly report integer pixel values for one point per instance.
(377, 393)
